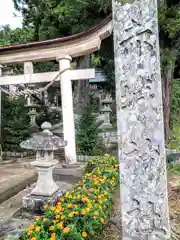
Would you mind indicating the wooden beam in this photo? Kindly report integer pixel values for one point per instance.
(46, 77)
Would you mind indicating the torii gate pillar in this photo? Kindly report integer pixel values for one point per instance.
(67, 108)
(144, 200)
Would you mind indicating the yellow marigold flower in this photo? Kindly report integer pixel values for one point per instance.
(57, 210)
(52, 208)
(30, 232)
(53, 234)
(37, 229)
(44, 220)
(57, 216)
(60, 225)
(96, 213)
(62, 217)
(84, 234)
(53, 238)
(83, 212)
(38, 218)
(51, 228)
(71, 214)
(66, 230)
(87, 210)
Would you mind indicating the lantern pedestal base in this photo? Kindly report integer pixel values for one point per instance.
(36, 203)
(45, 185)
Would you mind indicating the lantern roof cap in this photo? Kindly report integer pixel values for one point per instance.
(44, 141)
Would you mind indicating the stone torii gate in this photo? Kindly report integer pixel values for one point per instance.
(66, 94)
(144, 201)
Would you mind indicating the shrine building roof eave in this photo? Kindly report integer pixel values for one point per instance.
(75, 45)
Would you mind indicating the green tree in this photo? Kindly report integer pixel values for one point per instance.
(87, 133)
(15, 123)
(169, 21)
(15, 36)
(55, 18)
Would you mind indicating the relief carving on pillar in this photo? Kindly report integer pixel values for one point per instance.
(144, 201)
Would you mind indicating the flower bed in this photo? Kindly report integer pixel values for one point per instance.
(81, 213)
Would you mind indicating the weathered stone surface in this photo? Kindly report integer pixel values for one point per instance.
(35, 203)
(44, 140)
(144, 201)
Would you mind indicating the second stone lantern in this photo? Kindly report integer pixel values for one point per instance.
(44, 143)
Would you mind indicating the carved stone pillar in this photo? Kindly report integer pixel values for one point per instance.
(144, 201)
(1, 157)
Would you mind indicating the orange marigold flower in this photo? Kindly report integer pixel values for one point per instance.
(38, 218)
(51, 228)
(34, 238)
(69, 205)
(29, 233)
(84, 234)
(44, 220)
(102, 220)
(31, 226)
(37, 229)
(66, 230)
(83, 212)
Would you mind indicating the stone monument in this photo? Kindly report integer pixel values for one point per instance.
(46, 190)
(105, 112)
(144, 199)
(32, 110)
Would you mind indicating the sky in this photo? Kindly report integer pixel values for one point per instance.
(6, 14)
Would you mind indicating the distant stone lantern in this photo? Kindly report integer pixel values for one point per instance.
(44, 143)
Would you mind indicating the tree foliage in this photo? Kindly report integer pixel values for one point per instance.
(55, 18)
(15, 122)
(87, 133)
(16, 36)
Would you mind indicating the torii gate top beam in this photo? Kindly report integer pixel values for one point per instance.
(74, 45)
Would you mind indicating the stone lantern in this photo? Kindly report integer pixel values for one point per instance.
(105, 111)
(32, 110)
(44, 143)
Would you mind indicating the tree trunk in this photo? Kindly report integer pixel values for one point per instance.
(81, 87)
(167, 79)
